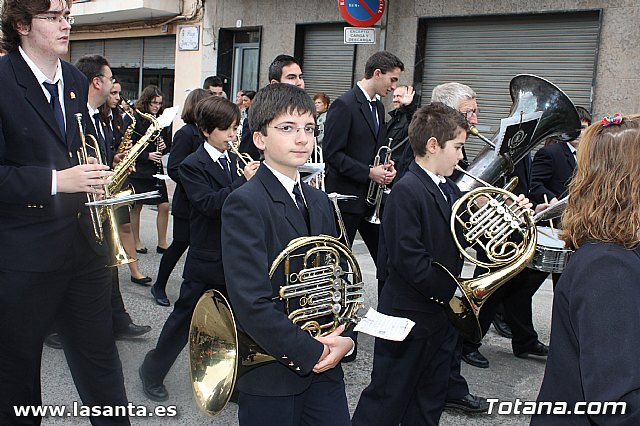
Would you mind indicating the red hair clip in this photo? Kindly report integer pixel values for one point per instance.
(609, 119)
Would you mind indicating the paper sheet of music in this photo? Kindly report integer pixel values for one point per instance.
(384, 326)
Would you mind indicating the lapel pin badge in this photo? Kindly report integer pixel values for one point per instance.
(72, 95)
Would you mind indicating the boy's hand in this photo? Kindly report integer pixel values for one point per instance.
(383, 173)
(337, 347)
(250, 169)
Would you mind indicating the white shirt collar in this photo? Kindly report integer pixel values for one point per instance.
(571, 148)
(214, 153)
(39, 74)
(92, 111)
(436, 179)
(286, 181)
(375, 98)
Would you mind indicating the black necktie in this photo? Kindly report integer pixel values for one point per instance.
(374, 116)
(225, 167)
(99, 135)
(55, 106)
(300, 202)
(446, 190)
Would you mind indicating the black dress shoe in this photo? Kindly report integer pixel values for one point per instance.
(53, 340)
(537, 349)
(161, 298)
(469, 404)
(154, 391)
(476, 359)
(142, 281)
(160, 249)
(143, 250)
(502, 327)
(132, 330)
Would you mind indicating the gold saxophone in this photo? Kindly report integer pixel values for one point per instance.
(128, 133)
(121, 170)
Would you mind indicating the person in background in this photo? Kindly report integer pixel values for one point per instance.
(405, 104)
(186, 140)
(247, 97)
(239, 99)
(286, 69)
(149, 163)
(215, 86)
(322, 105)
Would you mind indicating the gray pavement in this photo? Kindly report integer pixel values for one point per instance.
(507, 378)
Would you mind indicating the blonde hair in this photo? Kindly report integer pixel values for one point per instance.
(604, 194)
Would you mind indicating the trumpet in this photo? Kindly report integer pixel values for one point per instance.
(376, 190)
(241, 156)
(105, 213)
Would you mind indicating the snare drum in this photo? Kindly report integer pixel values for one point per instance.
(550, 256)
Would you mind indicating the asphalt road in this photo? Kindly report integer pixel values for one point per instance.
(507, 378)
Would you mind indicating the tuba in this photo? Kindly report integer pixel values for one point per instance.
(488, 219)
(530, 94)
(324, 292)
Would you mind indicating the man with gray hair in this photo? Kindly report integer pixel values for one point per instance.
(455, 95)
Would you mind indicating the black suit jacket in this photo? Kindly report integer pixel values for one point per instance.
(551, 171)
(415, 232)
(36, 228)
(206, 188)
(350, 145)
(185, 142)
(588, 361)
(258, 222)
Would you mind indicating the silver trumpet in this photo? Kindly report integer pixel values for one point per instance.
(376, 190)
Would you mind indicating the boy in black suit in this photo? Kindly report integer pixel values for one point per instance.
(305, 384)
(207, 180)
(410, 378)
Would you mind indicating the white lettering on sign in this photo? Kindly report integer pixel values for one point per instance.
(355, 35)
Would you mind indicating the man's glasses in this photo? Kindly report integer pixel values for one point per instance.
(288, 130)
(469, 114)
(111, 79)
(53, 19)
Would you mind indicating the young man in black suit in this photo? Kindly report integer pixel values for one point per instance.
(207, 181)
(410, 379)
(305, 384)
(354, 131)
(52, 265)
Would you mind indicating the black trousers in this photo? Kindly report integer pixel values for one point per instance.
(78, 295)
(369, 232)
(324, 403)
(516, 298)
(172, 255)
(175, 332)
(409, 381)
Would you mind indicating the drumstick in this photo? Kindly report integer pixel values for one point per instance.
(546, 201)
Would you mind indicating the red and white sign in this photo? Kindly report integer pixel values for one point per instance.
(361, 13)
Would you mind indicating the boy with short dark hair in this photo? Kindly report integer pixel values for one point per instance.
(207, 178)
(410, 378)
(304, 385)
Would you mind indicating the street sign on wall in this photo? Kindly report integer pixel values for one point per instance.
(356, 35)
(361, 13)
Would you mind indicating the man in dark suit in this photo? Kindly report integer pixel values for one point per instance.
(52, 265)
(410, 379)
(304, 385)
(354, 131)
(207, 182)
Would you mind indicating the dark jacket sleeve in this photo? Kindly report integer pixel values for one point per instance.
(334, 144)
(542, 170)
(183, 145)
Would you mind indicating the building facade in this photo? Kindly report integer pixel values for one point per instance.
(586, 47)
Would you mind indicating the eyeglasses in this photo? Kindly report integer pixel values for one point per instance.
(52, 19)
(155, 103)
(111, 79)
(469, 114)
(288, 130)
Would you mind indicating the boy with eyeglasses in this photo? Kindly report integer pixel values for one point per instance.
(52, 266)
(304, 385)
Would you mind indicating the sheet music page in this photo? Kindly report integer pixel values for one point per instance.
(167, 116)
(384, 326)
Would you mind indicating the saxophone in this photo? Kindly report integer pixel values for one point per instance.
(121, 170)
(128, 133)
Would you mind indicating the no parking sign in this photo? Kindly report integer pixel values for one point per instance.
(361, 13)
